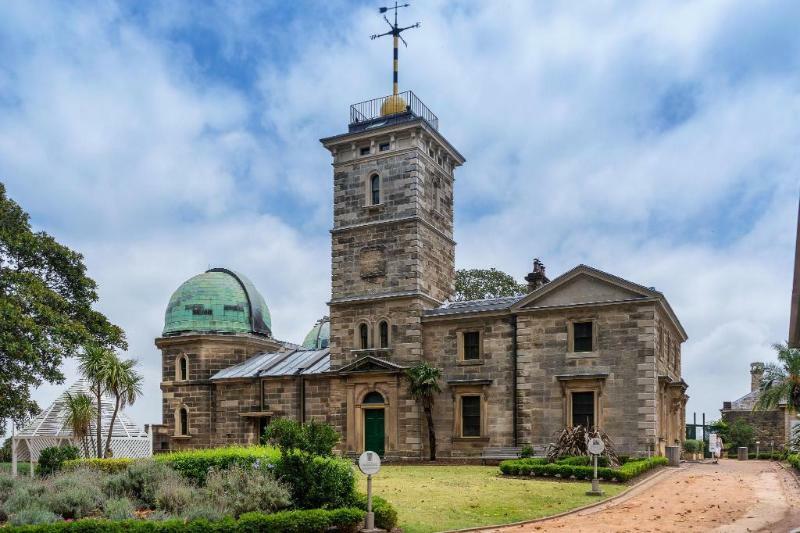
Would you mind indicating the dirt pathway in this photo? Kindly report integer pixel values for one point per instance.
(729, 497)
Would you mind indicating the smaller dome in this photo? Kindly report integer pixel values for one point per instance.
(319, 336)
(393, 105)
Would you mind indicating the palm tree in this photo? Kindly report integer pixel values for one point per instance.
(94, 362)
(80, 412)
(424, 385)
(781, 381)
(121, 380)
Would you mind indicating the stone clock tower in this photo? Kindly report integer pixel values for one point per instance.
(392, 237)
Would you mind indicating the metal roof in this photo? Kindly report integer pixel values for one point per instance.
(474, 306)
(274, 364)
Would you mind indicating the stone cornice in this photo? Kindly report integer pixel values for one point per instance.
(398, 220)
(383, 296)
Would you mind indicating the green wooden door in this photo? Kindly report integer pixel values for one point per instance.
(373, 431)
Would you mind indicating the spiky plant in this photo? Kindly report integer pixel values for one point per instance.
(80, 412)
(781, 381)
(423, 384)
(572, 441)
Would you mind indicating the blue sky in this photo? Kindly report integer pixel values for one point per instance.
(657, 141)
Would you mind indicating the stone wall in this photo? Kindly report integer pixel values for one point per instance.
(495, 365)
(207, 354)
(624, 354)
(768, 425)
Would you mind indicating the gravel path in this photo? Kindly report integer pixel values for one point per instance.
(728, 497)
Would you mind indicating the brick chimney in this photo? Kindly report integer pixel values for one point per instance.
(756, 373)
(537, 278)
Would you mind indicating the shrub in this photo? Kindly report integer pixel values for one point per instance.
(109, 466)
(385, 513)
(52, 458)
(118, 509)
(794, 460)
(33, 515)
(196, 464)
(144, 478)
(692, 446)
(317, 481)
(203, 511)
(21, 496)
(527, 451)
(740, 433)
(174, 495)
(314, 520)
(316, 438)
(74, 494)
(239, 490)
(7, 485)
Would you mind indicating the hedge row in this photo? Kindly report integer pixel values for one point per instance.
(193, 464)
(313, 520)
(536, 467)
(773, 456)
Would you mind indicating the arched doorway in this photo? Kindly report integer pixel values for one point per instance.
(374, 427)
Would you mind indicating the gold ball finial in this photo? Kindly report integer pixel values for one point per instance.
(393, 105)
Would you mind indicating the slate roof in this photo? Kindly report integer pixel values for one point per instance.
(474, 306)
(283, 363)
(748, 401)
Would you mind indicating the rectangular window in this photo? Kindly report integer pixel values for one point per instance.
(582, 337)
(470, 416)
(583, 409)
(383, 147)
(365, 150)
(472, 345)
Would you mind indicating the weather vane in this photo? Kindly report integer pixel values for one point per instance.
(394, 32)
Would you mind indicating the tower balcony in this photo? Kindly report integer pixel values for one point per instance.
(391, 109)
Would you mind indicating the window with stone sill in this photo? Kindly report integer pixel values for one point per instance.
(472, 345)
(363, 336)
(470, 416)
(583, 337)
(383, 334)
(183, 370)
(364, 150)
(383, 147)
(375, 189)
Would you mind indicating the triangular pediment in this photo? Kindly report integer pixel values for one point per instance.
(370, 363)
(585, 285)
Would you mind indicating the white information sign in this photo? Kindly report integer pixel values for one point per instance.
(595, 446)
(369, 463)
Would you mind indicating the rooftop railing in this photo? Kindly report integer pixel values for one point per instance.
(389, 108)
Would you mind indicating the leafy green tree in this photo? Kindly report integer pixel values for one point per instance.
(45, 309)
(478, 284)
(781, 381)
(423, 382)
(314, 438)
(125, 384)
(80, 412)
(740, 434)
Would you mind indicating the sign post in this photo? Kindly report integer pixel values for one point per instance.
(369, 463)
(595, 447)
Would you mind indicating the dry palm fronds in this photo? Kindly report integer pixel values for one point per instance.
(572, 441)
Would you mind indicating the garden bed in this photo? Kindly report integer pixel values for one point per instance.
(226, 489)
(579, 468)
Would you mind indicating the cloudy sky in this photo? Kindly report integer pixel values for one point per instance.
(655, 140)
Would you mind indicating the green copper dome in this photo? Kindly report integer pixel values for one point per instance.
(319, 336)
(217, 301)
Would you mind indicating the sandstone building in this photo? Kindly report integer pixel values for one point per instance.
(585, 348)
(773, 426)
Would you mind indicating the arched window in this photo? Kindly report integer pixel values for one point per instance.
(183, 421)
(183, 371)
(375, 189)
(363, 332)
(373, 397)
(383, 331)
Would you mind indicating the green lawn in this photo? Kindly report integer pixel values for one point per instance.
(437, 498)
(22, 468)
